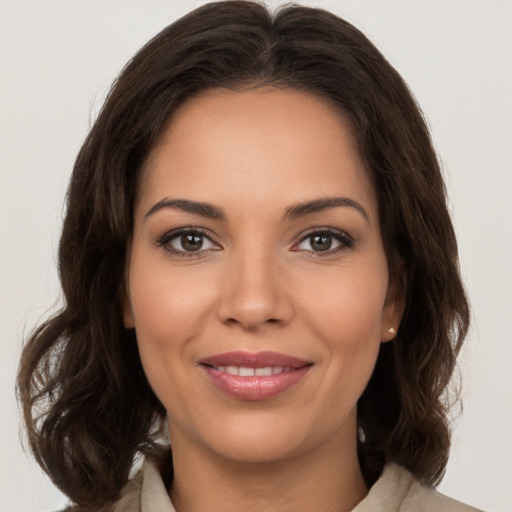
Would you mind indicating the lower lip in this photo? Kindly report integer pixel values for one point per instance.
(258, 387)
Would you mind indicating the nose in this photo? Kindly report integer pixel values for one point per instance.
(254, 294)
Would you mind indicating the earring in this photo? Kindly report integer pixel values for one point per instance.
(391, 330)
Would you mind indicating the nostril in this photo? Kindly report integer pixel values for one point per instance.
(252, 303)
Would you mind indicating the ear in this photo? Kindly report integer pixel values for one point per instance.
(394, 306)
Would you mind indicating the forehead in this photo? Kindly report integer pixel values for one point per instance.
(269, 143)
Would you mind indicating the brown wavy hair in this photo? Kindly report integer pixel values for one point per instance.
(88, 408)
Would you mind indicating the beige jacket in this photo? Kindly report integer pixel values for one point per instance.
(395, 491)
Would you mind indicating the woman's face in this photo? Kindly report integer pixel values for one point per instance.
(257, 281)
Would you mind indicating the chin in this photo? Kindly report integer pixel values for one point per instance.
(263, 438)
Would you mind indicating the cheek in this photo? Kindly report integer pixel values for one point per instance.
(347, 307)
(169, 310)
(167, 304)
(346, 314)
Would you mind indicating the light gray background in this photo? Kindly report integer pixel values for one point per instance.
(57, 59)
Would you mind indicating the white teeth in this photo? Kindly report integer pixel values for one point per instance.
(232, 370)
(263, 371)
(244, 371)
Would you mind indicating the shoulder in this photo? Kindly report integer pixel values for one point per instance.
(130, 497)
(146, 492)
(396, 490)
(128, 501)
(422, 499)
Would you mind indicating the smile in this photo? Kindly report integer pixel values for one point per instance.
(244, 371)
(260, 376)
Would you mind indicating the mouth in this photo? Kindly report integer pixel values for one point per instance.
(254, 376)
(246, 371)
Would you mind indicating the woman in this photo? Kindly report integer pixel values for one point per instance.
(257, 257)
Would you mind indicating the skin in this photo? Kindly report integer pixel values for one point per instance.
(257, 284)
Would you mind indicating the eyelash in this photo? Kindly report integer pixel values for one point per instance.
(165, 240)
(346, 241)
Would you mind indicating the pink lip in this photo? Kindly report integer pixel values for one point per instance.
(257, 387)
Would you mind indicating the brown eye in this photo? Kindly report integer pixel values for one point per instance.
(187, 242)
(324, 241)
(191, 242)
(321, 242)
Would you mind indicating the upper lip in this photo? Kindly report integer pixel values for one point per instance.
(254, 360)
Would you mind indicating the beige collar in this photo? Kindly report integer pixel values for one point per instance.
(154, 496)
(395, 491)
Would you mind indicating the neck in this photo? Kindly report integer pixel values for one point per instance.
(324, 479)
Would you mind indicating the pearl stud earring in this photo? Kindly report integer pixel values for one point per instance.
(391, 330)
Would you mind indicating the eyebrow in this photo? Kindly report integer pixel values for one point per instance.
(197, 207)
(318, 205)
(293, 212)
